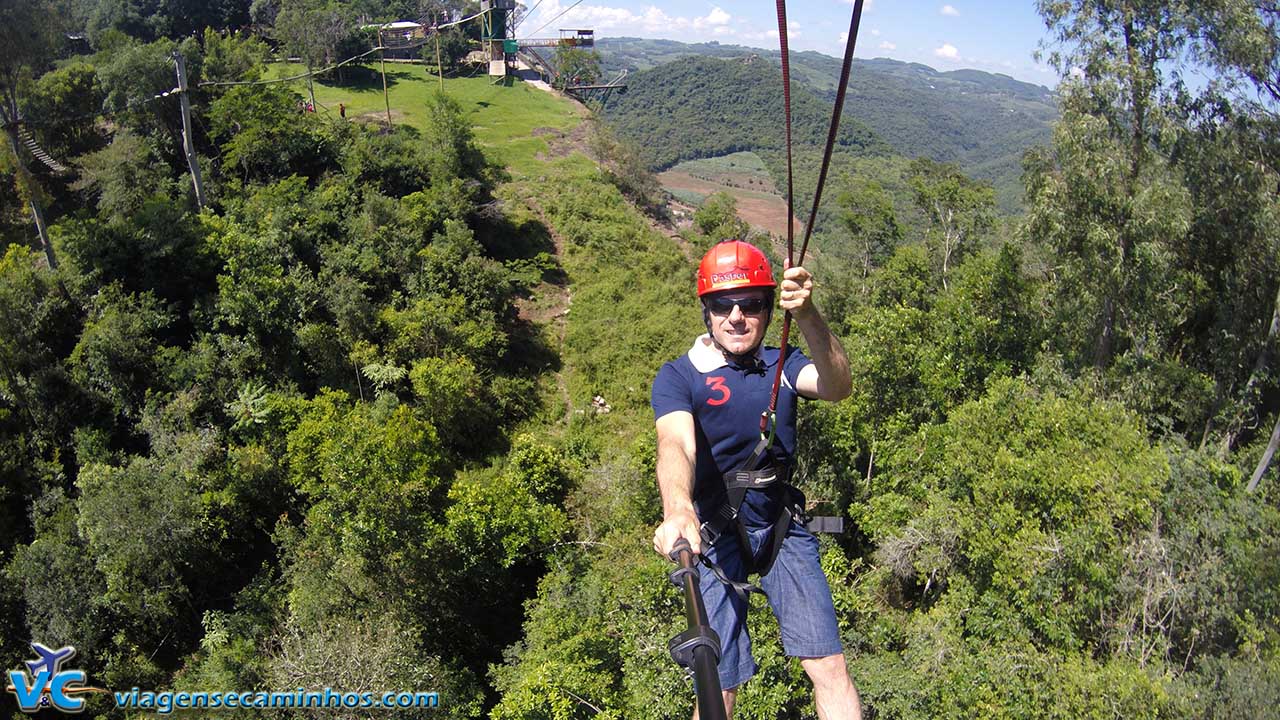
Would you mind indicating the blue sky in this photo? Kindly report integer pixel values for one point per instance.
(992, 35)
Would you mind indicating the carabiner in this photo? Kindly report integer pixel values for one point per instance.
(768, 421)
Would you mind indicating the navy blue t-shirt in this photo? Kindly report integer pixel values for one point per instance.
(726, 402)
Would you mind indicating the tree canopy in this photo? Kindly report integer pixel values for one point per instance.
(376, 417)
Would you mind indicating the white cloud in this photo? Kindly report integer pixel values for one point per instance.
(844, 37)
(875, 33)
(886, 45)
(949, 10)
(601, 17)
(947, 52)
(597, 16)
(655, 20)
(717, 18)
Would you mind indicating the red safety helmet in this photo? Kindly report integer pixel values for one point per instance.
(733, 264)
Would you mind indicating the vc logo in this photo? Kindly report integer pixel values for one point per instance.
(46, 684)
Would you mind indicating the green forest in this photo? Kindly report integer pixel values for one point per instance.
(369, 409)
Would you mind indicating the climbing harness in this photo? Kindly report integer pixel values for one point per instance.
(697, 649)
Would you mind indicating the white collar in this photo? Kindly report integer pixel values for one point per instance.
(706, 357)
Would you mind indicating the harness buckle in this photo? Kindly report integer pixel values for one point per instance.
(709, 534)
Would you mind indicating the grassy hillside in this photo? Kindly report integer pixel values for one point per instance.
(504, 114)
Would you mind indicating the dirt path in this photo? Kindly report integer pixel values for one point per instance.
(554, 314)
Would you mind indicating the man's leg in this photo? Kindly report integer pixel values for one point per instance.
(801, 600)
(729, 697)
(833, 692)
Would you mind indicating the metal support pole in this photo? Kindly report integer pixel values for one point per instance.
(188, 144)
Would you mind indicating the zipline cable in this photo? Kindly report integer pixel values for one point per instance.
(835, 123)
(768, 418)
(786, 107)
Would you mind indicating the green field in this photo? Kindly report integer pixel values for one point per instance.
(739, 162)
(504, 115)
(745, 171)
(688, 197)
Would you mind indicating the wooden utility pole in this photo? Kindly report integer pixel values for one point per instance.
(439, 67)
(1265, 462)
(188, 144)
(382, 56)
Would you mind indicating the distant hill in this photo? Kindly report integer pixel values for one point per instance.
(981, 121)
(704, 107)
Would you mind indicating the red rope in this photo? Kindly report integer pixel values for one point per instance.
(786, 107)
(832, 130)
(835, 122)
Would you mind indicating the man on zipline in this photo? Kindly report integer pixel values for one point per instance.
(720, 477)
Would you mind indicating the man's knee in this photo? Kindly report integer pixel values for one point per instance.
(829, 671)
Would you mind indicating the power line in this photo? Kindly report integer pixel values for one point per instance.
(173, 91)
(103, 113)
(557, 17)
(308, 73)
(459, 22)
(527, 14)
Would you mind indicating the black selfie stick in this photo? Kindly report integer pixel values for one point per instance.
(697, 649)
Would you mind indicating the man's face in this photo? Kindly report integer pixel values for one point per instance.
(738, 318)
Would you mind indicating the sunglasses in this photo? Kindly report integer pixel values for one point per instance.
(751, 305)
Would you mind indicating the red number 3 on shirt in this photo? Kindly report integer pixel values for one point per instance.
(717, 384)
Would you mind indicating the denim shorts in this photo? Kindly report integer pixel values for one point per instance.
(797, 591)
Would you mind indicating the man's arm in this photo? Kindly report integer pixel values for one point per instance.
(828, 378)
(677, 450)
